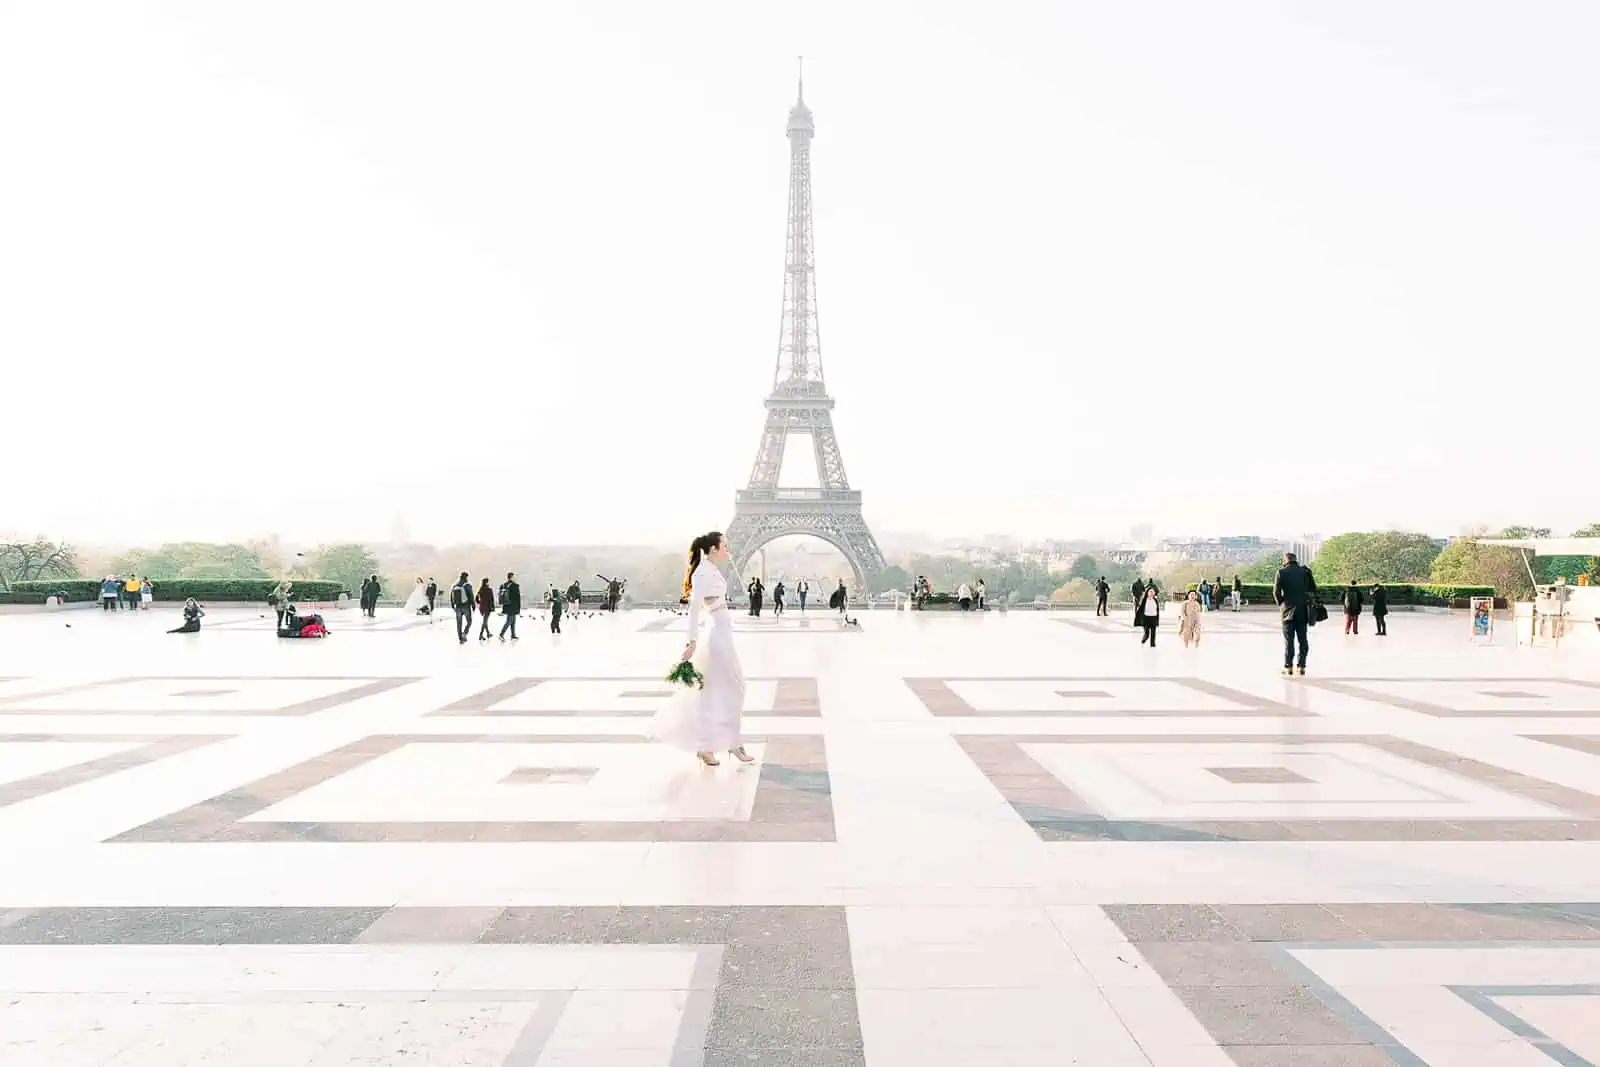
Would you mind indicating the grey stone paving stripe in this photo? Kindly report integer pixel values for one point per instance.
(793, 802)
(370, 687)
(1058, 813)
(1350, 687)
(155, 748)
(784, 990)
(942, 701)
(1231, 965)
(797, 697)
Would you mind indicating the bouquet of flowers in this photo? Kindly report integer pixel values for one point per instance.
(683, 673)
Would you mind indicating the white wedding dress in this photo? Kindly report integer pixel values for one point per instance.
(417, 600)
(706, 720)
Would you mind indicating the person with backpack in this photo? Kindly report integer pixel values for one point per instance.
(510, 605)
(1353, 601)
(461, 603)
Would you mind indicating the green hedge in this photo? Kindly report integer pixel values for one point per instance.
(234, 591)
(1401, 594)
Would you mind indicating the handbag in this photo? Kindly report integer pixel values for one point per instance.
(1319, 613)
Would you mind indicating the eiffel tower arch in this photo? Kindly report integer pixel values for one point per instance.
(799, 405)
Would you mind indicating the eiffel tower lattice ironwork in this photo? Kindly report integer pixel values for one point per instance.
(799, 404)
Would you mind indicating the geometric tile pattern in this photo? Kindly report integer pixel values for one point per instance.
(443, 788)
(519, 986)
(519, 697)
(997, 839)
(1221, 788)
(1412, 984)
(1132, 696)
(181, 696)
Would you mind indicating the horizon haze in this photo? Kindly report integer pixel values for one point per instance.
(511, 273)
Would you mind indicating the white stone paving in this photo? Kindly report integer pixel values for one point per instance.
(972, 938)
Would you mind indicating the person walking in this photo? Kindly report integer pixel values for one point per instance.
(485, 609)
(777, 599)
(1148, 615)
(803, 590)
(705, 719)
(1294, 590)
(1352, 609)
(510, 605)
(1205, 594)
(556, 605)
(1238, 593)
(1189, 619)
(840, 599)
(1380, 608)
(461, 603)
(1102, 597)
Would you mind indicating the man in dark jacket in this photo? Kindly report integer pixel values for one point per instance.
(461, 602)
(432, 593)
(1102, 597)
(1380, 607)
(1353, 600)
(510, 604)
(1294, 590)
(556, 605)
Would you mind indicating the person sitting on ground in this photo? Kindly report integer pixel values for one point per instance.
(192, 613)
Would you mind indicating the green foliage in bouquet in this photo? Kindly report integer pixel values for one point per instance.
(683, 673)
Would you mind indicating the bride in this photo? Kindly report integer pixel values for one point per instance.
(418, 599)
(706, 721)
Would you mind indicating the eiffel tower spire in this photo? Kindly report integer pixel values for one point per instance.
(799, 345)
(799, 403)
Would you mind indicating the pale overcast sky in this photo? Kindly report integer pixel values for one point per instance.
(511, 271)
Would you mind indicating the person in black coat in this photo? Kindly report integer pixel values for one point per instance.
(461, 604)
(557, 603)
(510, 605)
(1294, 590)
(1353, 600)
(756, 588)
(485, 609)
(1380, 608)
(1102, 597)
(1138, 603)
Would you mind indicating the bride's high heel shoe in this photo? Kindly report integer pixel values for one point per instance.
(708, 759)
(741, 755)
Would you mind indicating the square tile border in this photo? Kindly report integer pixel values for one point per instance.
(797, 697)
(1232, 965)
(944, 702)
(1058, 813)
(793, 802)
(814, 624)
(152, 747)
(780, 987)
(1353, 687)
(372, 687)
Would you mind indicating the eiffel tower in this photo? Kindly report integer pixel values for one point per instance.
(799, 404)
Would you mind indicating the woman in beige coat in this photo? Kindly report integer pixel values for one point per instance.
(1189, 620)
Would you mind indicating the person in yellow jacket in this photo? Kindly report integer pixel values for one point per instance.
(131, 591)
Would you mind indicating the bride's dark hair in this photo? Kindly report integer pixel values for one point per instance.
(699, 548)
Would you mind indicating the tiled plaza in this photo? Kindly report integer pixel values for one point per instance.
(1001, 840)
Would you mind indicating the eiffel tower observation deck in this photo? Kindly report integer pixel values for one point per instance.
(799, 406)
